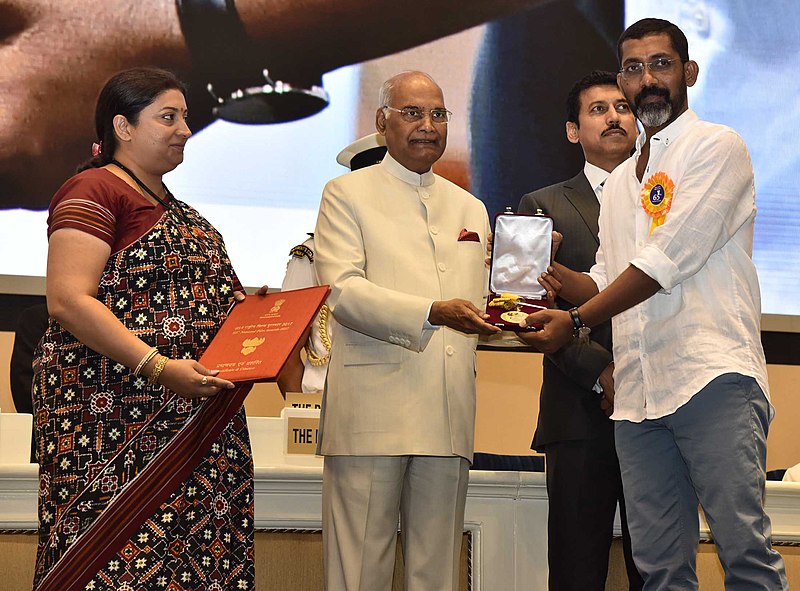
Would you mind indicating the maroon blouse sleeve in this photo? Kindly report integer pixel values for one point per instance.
(85, 202)
(99, 203)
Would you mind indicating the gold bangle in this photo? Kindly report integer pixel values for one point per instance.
(145, 360)
(160, 365)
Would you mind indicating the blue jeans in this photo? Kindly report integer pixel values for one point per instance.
(710, 451)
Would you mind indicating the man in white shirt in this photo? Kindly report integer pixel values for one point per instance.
(674, 271)
(403, 251)
(573, 429)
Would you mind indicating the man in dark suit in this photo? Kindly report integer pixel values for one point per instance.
(574, 431)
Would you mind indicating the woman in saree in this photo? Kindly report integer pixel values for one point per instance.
(145, 464)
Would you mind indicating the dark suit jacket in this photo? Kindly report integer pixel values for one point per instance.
(568, 408)
(31, 326)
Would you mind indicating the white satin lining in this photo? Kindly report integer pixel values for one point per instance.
(521, 253)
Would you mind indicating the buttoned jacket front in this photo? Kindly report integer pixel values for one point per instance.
(388, 245)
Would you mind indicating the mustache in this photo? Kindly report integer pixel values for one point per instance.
(614, 126)
(651, 91)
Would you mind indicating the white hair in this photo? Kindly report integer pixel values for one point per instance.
(387, 88)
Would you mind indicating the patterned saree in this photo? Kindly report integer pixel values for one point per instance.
(140, 488)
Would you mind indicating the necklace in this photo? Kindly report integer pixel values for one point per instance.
(166, 204)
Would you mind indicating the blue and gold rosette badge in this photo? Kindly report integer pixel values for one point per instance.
(657, 198)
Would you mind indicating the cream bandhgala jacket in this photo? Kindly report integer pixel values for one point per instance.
(388, 245)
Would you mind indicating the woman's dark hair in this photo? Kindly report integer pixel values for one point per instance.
(126, 93)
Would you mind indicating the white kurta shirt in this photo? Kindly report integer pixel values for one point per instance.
(705, 321)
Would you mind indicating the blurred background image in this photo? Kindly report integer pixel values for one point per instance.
(505, 81)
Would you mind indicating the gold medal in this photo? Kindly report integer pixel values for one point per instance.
(514, 316)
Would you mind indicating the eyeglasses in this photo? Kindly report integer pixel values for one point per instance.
(413, 114)
(635, 70)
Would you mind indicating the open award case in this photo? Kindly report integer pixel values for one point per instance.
(520, 253)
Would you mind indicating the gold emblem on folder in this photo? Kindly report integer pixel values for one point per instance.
(250, 345)
(277, 306)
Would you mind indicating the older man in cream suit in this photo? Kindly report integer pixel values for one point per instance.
(403, 250)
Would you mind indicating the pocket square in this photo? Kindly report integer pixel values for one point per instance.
(467, 236)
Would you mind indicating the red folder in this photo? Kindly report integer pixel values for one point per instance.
(262, 332)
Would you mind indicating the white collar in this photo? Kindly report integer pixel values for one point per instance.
(595, 175)
(397, 170)
(670, 132)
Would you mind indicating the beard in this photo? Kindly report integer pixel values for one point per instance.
(655, 114)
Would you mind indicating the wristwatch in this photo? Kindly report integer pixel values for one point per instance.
(581, 331)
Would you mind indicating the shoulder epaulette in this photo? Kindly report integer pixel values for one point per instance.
(300, 251)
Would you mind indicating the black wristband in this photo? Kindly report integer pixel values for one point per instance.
(214, 34)
(576, 319)
(580, 330)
